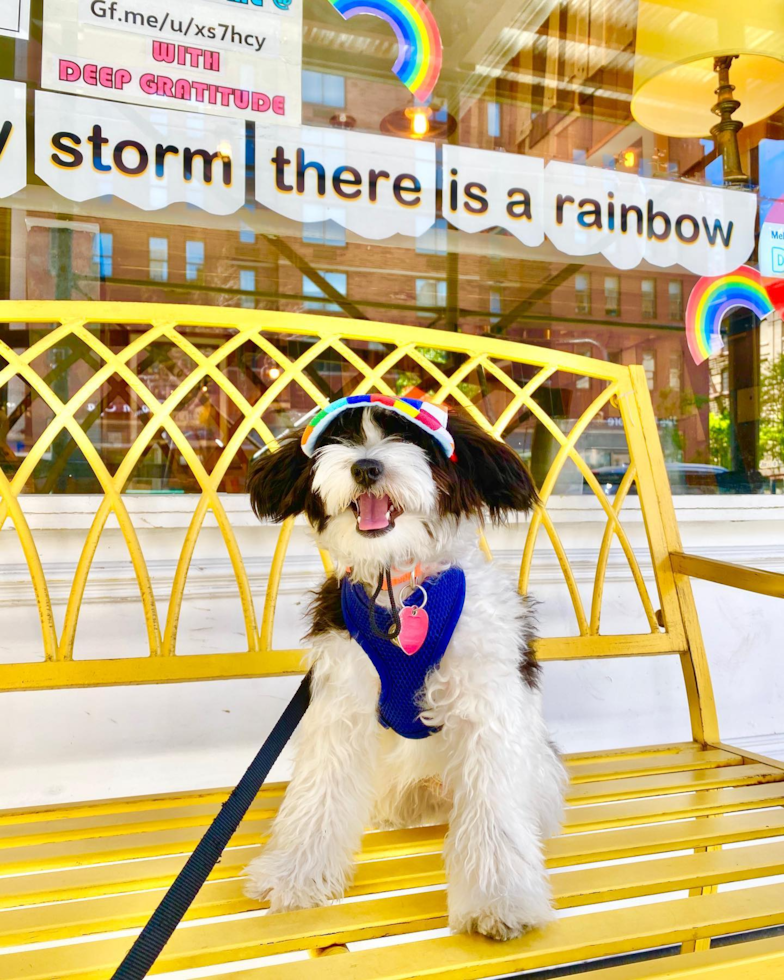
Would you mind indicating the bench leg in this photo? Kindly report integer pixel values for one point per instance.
(699, 945)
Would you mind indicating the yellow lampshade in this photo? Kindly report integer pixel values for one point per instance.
(677, 40)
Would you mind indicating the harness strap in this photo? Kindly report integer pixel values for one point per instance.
(175, 903)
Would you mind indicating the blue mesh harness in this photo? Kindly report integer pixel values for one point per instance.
(403, 676)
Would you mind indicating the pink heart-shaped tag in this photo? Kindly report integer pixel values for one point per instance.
(414, 623)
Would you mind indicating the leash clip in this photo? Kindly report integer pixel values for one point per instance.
(408, 590)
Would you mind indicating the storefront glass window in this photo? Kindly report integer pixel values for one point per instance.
(284, 166)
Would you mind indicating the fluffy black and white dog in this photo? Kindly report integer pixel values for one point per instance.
(381, 493)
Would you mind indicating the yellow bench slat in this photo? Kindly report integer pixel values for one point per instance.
(205, 802)
(215, 796)
(105, 818)
(635, 752)
(590, 886)
(756, 959)
(577, 820)
(666, 783)
(219, 896)
(657, 809)
(570, 940)
(651, 764)
(759, 959)
(225, 897)
(210, 942)
(48, 847)
(633, 842)
(151, 873)
(131, 804)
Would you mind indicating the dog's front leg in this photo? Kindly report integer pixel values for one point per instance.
(497, 882)
(309, 857)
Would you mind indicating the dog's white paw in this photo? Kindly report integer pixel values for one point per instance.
(505, 910)
(288, 884)
(503, 918)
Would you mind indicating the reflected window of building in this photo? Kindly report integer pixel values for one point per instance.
(323, 89)
(493, 119)
(248, 285)
(648, 289)
(316, 297)
(159, 259)
(612, 295)
(103, 247)
(430, 293)
(495, 301)
(194, 261)
(324, 233)
(649, 366)
(247, 235)
(676, 369)
(675, 297)
(582, 293)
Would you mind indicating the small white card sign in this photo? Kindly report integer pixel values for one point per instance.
(15, 18)
(225, 58)
(771, 249)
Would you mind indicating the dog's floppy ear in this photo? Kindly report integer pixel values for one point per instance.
(279, 482)
(488, 472)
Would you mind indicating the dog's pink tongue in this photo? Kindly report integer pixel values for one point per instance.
(372, 512)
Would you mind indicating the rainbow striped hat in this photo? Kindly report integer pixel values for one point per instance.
(431, 418)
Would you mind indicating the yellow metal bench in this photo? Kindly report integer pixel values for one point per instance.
(73, 876)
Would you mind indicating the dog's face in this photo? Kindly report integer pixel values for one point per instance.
(379, 491)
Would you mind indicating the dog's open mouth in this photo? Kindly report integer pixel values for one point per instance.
(376, 515)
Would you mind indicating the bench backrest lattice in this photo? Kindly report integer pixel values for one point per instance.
(264, 371)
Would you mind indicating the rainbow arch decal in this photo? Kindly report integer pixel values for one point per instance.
(419, 52)
(712, 298)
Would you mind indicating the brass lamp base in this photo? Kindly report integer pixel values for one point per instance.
(725, 132)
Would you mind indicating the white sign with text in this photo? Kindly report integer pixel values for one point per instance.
(221, 57)
(375, 186)
(13, 137)
(87, 148)
(378, 186)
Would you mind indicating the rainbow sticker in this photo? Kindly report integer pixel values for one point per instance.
(713, 298)
(419, 42)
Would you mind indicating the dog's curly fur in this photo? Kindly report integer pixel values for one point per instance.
(490, 770)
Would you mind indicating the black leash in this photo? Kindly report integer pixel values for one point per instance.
(394, 629)
(177, 900)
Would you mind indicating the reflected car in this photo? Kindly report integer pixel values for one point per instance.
(684, 478)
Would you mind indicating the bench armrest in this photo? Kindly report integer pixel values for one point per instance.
(727, 573)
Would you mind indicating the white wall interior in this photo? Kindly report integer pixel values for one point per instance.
(82, 744)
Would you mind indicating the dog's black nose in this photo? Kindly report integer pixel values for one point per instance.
(367, 472)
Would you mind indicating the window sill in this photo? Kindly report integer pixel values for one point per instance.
(174, 510)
